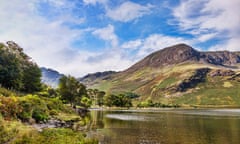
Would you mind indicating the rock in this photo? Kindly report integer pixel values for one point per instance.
(198, 77)
(221, 72)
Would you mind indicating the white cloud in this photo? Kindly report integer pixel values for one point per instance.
(94, 2)
(95, 62)
(153, 43)
(157, 41)
(208, 19)
(49, 42)
(107, 33)
(206, 37)
(232, 45)
(128, 11)
(132, 44)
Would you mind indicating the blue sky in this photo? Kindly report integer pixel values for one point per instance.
(84, 36)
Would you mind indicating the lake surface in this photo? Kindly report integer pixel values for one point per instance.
(166, 126)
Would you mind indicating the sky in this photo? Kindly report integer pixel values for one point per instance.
(78, 37)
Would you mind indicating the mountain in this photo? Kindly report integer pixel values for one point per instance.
(181, 75)
(182, 53)
(50, 77)
(92, 78)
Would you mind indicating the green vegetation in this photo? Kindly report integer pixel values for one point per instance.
(14, 132)
(17, 71)
(167, 82)
(72, 91)
(150, 103)
(120, 100)
(96, 96)
(215, 92)
(24, 101)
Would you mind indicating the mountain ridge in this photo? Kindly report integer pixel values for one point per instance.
(50, 77)
(181, 53)
(179, 74)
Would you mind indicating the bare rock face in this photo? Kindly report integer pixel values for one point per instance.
(220, 72)
(221, 58)
(198, 77)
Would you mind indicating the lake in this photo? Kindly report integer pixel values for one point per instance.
(166, 126)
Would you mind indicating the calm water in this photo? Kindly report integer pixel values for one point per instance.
(166, 126)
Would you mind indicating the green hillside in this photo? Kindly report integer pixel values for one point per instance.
(188, 78)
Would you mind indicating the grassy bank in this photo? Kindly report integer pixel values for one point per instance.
(19, 114)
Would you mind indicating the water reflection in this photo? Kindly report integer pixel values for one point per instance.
(164, 127)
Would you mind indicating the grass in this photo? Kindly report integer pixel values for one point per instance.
(16, 132)
(14, 110)
(167, 82)
(213, 92)
(67, 117)
(151, 84)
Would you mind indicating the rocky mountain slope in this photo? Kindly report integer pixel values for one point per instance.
(92, 78)
(182, 53)
(180, 75)
(50, 77)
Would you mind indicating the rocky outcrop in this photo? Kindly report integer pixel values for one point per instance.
(198, 77)
(220, 72)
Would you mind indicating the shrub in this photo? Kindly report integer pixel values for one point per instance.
(26, 112)
(9, 107)
(33, 107)
(5, 92)
(39, 114)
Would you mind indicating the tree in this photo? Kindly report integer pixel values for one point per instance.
(32, 78)
(17, 70)
(100, 96)
(10, 71)
(96, 96)
(120, 100)
(71, 90)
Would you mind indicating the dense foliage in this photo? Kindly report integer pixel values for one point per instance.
(17, 71)
(120, 100)
(72, 91)
(96, 96)
(30, 107)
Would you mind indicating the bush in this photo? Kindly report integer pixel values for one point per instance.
(120, 100)
(40, 114)
(26, 113)
(9, 107)
(7, 131)
(55, 104)
(5, 92)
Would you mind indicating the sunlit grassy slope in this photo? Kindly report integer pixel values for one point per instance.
(166, 85)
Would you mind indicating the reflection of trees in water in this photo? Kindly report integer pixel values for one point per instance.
(170, 128)
(96, 120)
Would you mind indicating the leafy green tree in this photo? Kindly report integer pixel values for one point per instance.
(100, 96)
(32, 78)
(17, 71)
(71, 90)
(120, 100)
(86, 102)
(96, 96)
(10, 71)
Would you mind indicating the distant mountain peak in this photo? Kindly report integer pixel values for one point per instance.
(89, 78)
(167, 56)
(50, 77)
(183, 53)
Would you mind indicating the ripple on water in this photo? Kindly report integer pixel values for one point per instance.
(127, 117)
